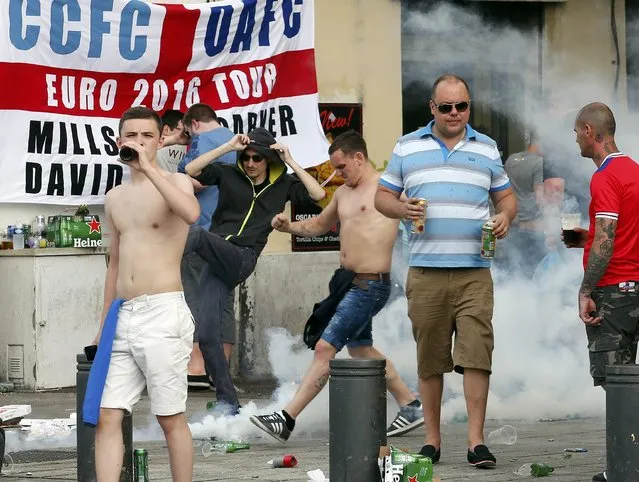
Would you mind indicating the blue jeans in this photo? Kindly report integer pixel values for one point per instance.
(352, 323)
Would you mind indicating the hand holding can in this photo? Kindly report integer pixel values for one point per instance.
(418, 224)
(488, 241)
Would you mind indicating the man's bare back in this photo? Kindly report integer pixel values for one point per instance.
(366, 236)
(151, 238)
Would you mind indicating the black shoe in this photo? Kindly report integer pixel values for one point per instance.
(273, 424)
(431, 452)
(600, 477)
(481, 457)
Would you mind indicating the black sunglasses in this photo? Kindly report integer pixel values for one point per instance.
(255, 158)
(448, 108)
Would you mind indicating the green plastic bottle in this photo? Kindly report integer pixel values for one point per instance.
(541, 470)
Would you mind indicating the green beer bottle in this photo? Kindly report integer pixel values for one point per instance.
(541, 470)
(223, 447)
(141, 465)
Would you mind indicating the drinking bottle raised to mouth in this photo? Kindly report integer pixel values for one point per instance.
(127, 154)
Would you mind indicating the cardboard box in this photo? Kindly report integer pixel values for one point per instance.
(396, 465)
(74, 231)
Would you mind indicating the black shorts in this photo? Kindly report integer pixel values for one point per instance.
(614, 341)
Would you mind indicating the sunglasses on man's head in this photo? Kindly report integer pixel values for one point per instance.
(255, 158)
(448, 108)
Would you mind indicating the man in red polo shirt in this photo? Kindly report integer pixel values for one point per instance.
(609, 292)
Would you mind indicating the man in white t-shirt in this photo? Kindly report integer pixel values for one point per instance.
(175, 141)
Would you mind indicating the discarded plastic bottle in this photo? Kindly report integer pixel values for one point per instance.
(223, 447)
(536, 470)
(541, 470)
(287, 460)
(7, 467)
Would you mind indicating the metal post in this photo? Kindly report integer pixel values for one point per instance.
(85, 443)
(622, 420)
(357, 419)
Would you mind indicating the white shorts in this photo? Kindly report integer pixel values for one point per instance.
(152, 348)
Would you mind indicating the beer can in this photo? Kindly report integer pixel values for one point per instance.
(418, 225)
(488, 241)
(141, 465)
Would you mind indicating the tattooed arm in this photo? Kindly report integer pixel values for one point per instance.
(598, 259)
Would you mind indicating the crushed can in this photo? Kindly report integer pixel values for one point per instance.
(287, 461)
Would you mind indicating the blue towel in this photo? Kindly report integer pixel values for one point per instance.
(100, 367)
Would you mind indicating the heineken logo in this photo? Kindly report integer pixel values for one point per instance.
(412, 478)
(94, 226)
(87, 243)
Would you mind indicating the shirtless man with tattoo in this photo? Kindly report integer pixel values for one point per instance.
(366, 244)
(151, 341)
(609, 292)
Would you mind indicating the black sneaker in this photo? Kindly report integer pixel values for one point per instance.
(431, 452)
(481, 457)
(273, 424)
(408, 418)
(600, 477)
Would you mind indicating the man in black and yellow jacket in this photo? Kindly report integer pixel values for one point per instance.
(250, 194)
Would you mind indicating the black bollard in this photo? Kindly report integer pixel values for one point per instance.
(357, 419)
(85, 443)
(127, 437)
(622, 422)
(1, 448)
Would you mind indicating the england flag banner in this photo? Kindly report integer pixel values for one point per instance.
(70, 68)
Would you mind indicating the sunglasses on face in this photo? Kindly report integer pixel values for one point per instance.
(255, 158)
(448, 108)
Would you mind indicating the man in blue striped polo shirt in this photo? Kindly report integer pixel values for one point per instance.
(449, 286)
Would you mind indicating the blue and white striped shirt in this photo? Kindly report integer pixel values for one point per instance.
(456, 184)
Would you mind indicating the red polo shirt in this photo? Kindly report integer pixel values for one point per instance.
(614, 189)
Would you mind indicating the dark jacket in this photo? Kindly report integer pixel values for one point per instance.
(242, 216)
(323, 311)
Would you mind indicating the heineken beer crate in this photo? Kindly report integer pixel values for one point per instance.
(74, 231)
(400, 466)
